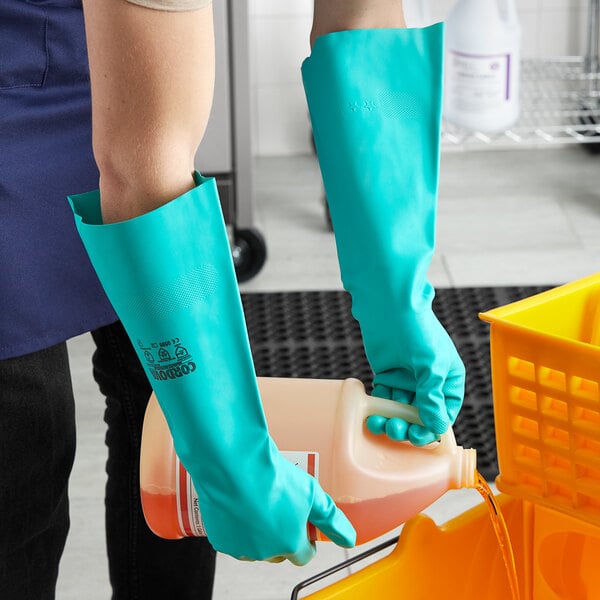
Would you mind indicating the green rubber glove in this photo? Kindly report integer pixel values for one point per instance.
(375, 105)
(170, 277)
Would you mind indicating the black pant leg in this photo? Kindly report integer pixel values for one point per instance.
(37, 448)
(142, 565)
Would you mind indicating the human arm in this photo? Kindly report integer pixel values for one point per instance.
(155, 235)
(374, 93)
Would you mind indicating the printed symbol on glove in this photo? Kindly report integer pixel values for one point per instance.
(163, 355)
(181, 353)
(168, 366)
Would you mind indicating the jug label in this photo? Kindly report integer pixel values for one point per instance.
(478, 81)
(188, 508)
(307, 461)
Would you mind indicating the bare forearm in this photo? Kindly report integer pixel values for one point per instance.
(339, 15)
(152, 75)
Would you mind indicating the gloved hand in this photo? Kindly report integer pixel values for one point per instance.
(169, 275)
(375, 105)
(429, 374)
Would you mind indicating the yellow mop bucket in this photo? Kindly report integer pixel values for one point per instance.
(460, 559)
(545, 358)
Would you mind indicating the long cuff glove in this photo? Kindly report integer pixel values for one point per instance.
(170, 277)
(375, 105)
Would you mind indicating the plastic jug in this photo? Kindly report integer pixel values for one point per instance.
(482, 65)
(379, 484)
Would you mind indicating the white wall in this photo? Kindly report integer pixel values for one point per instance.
(279, 31)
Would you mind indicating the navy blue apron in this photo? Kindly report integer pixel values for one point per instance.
(48, 289)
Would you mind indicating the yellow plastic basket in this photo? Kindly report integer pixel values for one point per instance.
(545, 357)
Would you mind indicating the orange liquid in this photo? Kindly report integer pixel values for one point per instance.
(501, 533)
(374, 517)
(371, 518)
(160, 511)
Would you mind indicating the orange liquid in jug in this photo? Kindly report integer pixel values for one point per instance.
(374, 517)
(371, 518)
(163, 508)
(501, 534)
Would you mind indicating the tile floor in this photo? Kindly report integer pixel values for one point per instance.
(505, 217)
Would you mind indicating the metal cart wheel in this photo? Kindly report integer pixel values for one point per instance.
(249, 252)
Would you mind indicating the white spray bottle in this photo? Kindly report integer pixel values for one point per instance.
(482, 66)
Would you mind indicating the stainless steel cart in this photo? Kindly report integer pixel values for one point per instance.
(226, 151)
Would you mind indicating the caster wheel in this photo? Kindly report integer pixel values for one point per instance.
(249, 253)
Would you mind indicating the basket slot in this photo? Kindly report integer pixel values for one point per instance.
(522, 397)
(521, 368)
(525, 427)
(586, 446)
(554, 409)
(556, 437)
(584, 388)
(552, 378)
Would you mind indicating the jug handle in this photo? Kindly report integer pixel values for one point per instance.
(393, 409)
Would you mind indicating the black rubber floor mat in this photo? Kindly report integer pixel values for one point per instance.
(313, 334)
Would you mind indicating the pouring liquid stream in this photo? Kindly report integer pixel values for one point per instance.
(501, 531)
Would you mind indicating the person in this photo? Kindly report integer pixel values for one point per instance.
(155, 236)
